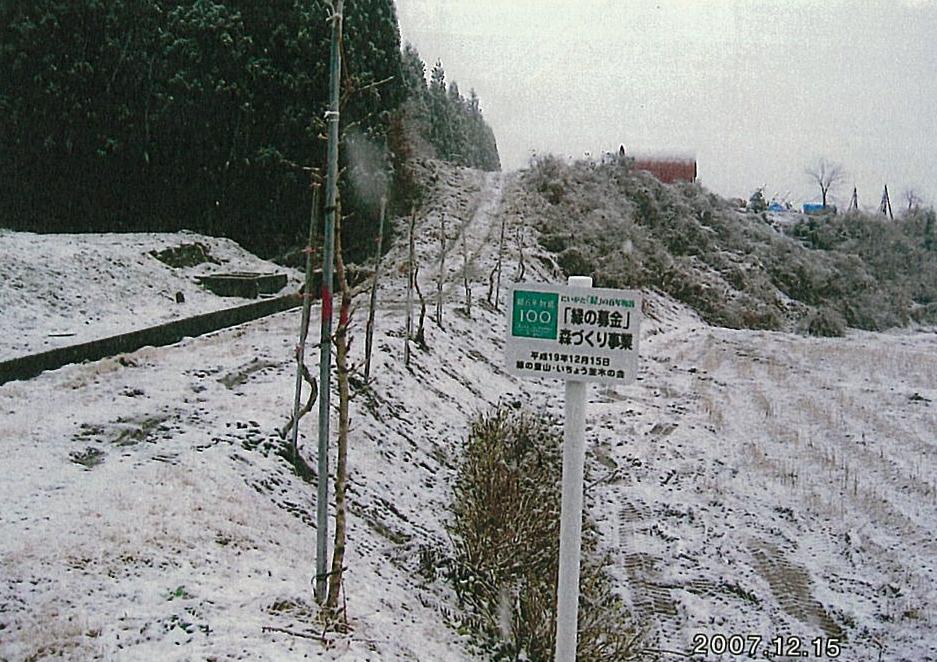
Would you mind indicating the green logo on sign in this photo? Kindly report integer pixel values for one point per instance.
(535, 314)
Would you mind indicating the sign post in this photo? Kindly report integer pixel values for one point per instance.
(574, 458)
(580, 334)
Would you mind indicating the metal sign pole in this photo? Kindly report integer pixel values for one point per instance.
(574, 456)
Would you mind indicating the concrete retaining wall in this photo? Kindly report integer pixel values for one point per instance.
(25, 367)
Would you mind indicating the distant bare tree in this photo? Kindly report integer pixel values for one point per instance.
(913, 198)
(826, 175)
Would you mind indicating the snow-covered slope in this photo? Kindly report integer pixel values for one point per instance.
(749, 483)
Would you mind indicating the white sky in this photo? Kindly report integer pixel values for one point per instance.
(758, 89)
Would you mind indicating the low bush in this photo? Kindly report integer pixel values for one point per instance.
(505, 533)
(826, 323)
(575, 261)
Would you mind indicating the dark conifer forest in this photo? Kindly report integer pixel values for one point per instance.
(159, 115)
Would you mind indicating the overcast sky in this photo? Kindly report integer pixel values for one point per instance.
(757, 89)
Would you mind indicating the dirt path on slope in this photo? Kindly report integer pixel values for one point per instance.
(479, 224)
(480, 232)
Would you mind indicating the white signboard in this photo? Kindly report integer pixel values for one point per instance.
(584, 334)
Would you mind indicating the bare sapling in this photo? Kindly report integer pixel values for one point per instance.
(442, 268)
(492, 283)
(292, 424)
(342, 342)
(420, 336)
(465, 278)
(372, 304)
(491, 286)
(302, 372)
(521, 267)
(411, 278)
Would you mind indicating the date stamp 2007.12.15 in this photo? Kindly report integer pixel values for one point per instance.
(758, 647)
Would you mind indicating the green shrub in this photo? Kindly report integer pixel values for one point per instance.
(826, 323)
(547, 175)
(757, 202)
(505, 532)
(926, 314)
(555, 243)
(574, 261)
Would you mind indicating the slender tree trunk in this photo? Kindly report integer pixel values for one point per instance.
(465, 279)
(500, 258)
(304, 327)
(420, 333)
(521, 267)
(442, 268)
(369, 333)
(341, 465)
(411, 279)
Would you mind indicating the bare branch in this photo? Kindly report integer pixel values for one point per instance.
(913, 199)
(313, 395)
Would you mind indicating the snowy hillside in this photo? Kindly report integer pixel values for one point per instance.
(749, 483)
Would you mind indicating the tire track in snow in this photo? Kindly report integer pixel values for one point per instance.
(792, 586)
(653, 601)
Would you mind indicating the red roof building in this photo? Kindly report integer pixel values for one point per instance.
(668, 170)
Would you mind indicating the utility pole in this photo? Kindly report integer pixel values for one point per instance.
(885, 207)
(854, 202)
(325, 343)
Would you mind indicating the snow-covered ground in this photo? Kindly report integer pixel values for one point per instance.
(62, 289)
(749, 483)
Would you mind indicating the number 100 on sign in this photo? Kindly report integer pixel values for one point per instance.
(534, 314)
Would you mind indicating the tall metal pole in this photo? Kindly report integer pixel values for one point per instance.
(574, 456)
(325, 344)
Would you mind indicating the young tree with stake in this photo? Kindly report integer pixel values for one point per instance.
(342, 369)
